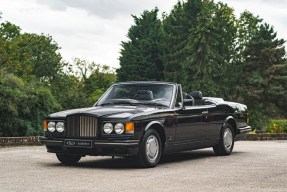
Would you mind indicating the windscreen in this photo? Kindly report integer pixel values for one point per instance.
(139, 94)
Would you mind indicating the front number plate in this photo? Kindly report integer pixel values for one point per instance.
(78, 143)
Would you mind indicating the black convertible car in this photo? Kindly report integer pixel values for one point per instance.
(145, 120)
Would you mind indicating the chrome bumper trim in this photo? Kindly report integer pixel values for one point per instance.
(244, 129)
(116, 143)
(131, 143)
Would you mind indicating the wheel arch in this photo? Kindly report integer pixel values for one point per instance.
(232, 122)
(159, 128)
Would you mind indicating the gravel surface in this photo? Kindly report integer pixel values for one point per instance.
(253, 166)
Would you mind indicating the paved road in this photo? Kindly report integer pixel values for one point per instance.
(253, 166)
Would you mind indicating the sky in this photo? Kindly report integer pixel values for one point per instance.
(94, 29)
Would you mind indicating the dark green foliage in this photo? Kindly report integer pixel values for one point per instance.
(265, 72)
(211, 50)
(99, 81)
(69, 92)
(141, 55)
(257, 117)
(23, 106)
(177, 27)
(200, 46)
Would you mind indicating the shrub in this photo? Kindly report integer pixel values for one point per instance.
(23, 105)
(258, 120)
(277, 126)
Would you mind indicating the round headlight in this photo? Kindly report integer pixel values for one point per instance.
(51, 126)
(60, 126)
(108, 128)
(119, 128)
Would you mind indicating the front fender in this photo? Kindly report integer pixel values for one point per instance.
(159, 127)
(231, 121)
(153, 123)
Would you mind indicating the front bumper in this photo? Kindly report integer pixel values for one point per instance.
(241, 132)
(99, 147)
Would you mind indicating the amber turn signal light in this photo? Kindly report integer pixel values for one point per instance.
(129, 128)
(45, 125)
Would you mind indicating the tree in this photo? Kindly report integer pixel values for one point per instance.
(8, 32)
(265, 73)
(82, 68)
(211, 49)
(69, 92)
(28, 54)
(247, 26)
(34, 81)
(23, 105)
(26, 61)
(141, 55)
(83, 83)
(99, 81)
(177, 27)
(200, 46)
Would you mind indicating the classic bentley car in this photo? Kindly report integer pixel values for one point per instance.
(145, 120)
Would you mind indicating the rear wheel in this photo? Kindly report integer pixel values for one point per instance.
(150, 149)
(68, 159)
(226, 143)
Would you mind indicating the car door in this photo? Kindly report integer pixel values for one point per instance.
(192, 124)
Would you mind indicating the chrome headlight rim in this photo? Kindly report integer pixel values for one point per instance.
(119, 128)
(108, 128)
(60, 126)
(51, 126)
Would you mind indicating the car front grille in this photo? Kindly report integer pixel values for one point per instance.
(81, 126)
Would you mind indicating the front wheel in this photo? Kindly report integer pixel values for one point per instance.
(68, 159)
(150, 149)
(226, 143)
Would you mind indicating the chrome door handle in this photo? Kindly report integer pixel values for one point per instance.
(204, 112)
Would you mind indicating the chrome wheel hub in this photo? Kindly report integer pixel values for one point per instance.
(152, 148)
(227, 139)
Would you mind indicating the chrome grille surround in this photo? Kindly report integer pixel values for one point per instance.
(81, 126)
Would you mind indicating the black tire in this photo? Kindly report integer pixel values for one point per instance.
(226, 143)
(150, 150)
(68, 159)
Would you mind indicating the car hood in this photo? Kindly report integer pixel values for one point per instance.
(105, 111)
